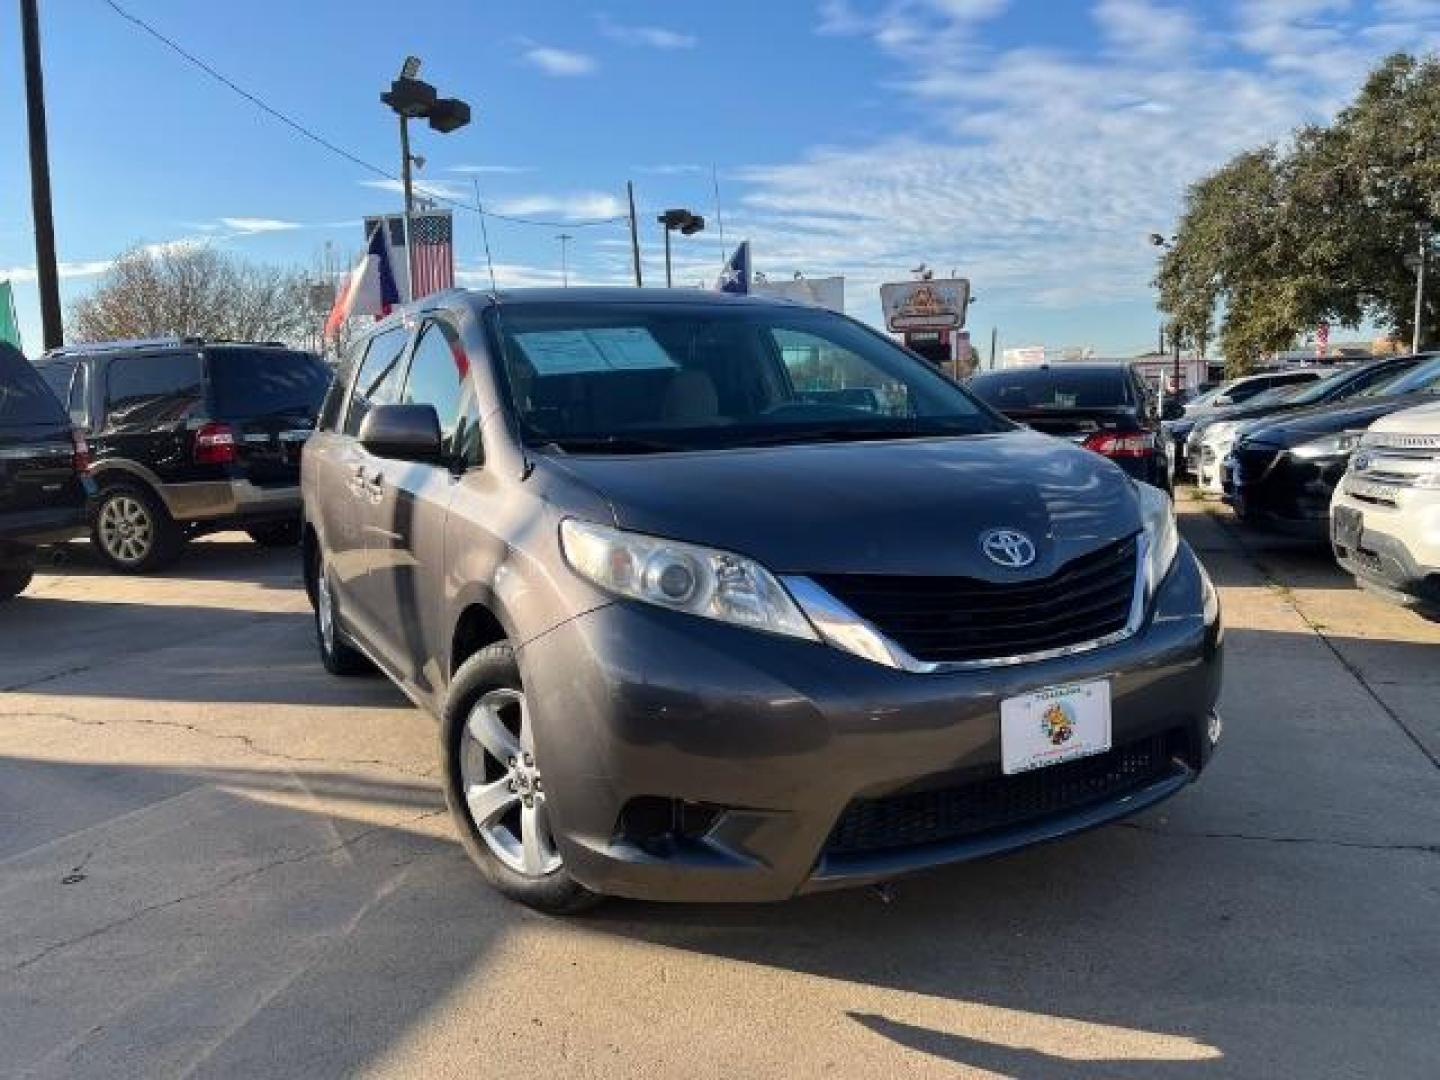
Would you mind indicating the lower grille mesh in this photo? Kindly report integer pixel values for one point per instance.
(927, 817)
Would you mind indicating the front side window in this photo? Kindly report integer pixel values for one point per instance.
(439, 376)
(635, 376)
(145, 391)
(379, 380)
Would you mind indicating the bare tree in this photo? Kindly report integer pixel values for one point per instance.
(193, 290)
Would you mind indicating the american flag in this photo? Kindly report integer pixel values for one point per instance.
(432, 256)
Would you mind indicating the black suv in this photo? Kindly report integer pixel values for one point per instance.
(43, 486)
(189, 436)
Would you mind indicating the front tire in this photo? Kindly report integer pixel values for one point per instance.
(494, 788)
(132, 531)
(14, 579)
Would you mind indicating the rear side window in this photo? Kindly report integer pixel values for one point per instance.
(142, 391)
(24, 397)
(379, 380)
(1054, 388)
(253, 383)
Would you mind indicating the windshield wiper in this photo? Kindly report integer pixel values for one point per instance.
(606, 444)
(850, 434)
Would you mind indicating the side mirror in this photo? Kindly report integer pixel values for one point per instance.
(402, 432)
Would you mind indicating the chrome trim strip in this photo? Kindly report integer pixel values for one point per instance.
(841, 627)
(33, 451)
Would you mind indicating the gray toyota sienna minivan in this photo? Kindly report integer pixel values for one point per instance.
(697, 627)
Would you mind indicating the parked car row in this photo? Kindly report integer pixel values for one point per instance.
(1351, 460)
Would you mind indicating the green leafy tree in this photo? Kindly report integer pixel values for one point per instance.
(1277, 241)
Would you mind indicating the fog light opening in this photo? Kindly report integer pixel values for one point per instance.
(665, 827)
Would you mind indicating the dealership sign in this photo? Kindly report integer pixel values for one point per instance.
(925, 305)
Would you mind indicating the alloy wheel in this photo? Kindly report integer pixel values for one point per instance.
(502, 784)
(126, 529)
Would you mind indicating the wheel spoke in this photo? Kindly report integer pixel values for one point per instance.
(488, 802)
(535, 844)
(486, 729)
(527, 736)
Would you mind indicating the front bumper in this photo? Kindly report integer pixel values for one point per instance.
(220, 501)
(769, 740)
(1397, 551)
(1271, 487)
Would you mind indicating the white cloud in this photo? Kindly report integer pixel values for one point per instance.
(1146, 28)
(654, 37)
(587, 204)
(433, 188)
(26, 274)
(247, 226)
(496, 170)
(678, 169)
(559, 62)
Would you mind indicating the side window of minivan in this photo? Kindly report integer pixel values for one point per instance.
(379, 380)
(440, 376)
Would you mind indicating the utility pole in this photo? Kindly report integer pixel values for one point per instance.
(409, 204)
(634, 234)
(564, 239)
(994, 334)
(47, 276)
(1420, 287)
(667, 258)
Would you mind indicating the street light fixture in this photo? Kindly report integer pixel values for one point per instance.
(1416, 262)
(411, 99)
(686, 222)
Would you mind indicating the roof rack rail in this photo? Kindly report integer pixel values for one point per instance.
(89, 347)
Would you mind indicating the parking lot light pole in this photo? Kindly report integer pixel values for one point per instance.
(1418, 262)
(47, 276)
(687, 223)
(410, 98)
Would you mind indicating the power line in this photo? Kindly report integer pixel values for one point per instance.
(321, 141)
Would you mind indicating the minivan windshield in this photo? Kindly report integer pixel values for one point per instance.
(641, 377)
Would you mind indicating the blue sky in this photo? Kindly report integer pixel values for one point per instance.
(1029, 144)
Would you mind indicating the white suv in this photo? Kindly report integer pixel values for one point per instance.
(1385, 515)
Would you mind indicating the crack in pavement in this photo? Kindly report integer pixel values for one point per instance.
(1426, 849)
(247, 741)
(221, 886)
(1287, 595)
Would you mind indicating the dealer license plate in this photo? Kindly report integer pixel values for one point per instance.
(1057, 724)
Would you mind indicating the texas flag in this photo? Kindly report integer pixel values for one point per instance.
(370, 289)
(735, 278)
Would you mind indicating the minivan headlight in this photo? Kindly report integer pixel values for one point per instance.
(683, 577)
(1162, 536)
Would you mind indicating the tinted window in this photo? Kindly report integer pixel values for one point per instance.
(57, 375)
(1425, 376)
(379, 380)
(1055, 388)
(148, 390)
(252, 383)
(438, 376)
(691, 376)
(24, 397)
(333, 407)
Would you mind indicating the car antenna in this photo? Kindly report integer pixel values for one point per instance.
(485, 236)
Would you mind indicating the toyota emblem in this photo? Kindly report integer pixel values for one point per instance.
(1009, 548)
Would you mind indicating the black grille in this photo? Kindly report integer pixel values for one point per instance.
(951, 619)
(927, 817)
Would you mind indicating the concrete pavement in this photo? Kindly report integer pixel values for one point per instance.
(217, 861)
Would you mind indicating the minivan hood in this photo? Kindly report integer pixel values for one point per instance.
(912, 506)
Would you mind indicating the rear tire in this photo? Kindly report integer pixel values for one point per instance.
(284, 534)
(339, 657)
(512, 845)
(132, 531)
